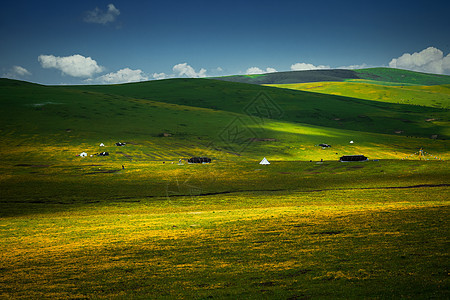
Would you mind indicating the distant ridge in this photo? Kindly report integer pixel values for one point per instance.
(376, 74)
(293, 77)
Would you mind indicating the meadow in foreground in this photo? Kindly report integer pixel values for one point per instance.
(290, 230)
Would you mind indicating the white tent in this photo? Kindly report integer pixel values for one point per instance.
(264, 162)
(351, 142)
(83, 154)
(102, 145)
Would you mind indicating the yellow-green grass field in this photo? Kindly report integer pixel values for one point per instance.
(230, 229)
(390, 249)
(434, 96)
(286, 141)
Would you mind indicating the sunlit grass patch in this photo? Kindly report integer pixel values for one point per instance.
(433, 96)
(273, 250)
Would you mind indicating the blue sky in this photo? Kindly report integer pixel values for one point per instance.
(87, 41)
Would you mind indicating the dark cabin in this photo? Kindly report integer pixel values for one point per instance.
(199, 160)
(353, 158)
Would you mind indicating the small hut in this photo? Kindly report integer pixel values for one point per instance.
(199, 160)
(346, 158)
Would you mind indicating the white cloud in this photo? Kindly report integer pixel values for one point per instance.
(256, 70)
(185, 70)
(306, 66)
(21, 71)
(102, 17)
(75, 65)
(17, 72)
(159, 76)
(353, 67)
(430, 60)
(123, 76)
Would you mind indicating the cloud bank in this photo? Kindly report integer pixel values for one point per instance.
(123, 76)
(102, 17)
(159, 76)
(16, 72)
(256, 70)
(306, 66)
(429, 60)
(185, 70)
(75, 65)
(354, 67)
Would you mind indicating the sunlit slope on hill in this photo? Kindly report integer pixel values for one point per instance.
(288, 105)
(56, 123)
(432, 96)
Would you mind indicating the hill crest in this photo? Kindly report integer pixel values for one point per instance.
(376, 74)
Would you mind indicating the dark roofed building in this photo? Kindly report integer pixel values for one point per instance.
(199, 160)
(353, 158)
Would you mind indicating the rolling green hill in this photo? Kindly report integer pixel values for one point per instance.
(433, 96)
(211, 117)
(399, 76)
(293, 106)
(386, 75)
(293, 77)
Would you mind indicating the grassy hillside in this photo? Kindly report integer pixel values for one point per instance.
(292, 77)
(202, 116)
(402, 76)
(390, 75)
(433, 96)
(292, 106)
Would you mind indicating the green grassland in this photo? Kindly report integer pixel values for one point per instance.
(47, 123)
(292, 77)
(299, 228)
(434, 96)
(386, 75)
(225, 230)
(402, 76)
(294, 106)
